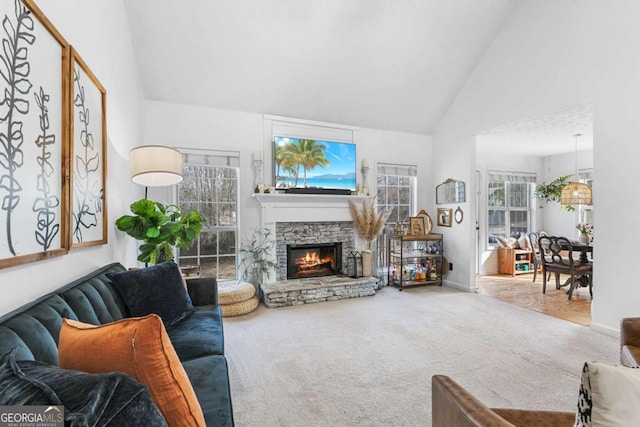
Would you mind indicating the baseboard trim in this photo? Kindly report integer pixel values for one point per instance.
(459, 286)
(606, 330)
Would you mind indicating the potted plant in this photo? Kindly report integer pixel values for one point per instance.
(256, 259)
(368, 224)
(586, 230)
(551, 192)
(161, 228)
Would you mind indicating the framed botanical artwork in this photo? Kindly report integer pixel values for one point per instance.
(416, 226)
(88, 156)
(34, 108)
(444, 217)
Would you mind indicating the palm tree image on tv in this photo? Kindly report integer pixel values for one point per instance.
(309, 163)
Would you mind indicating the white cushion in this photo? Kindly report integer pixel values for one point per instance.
(507, 242)
(524, 242)
(614, 394)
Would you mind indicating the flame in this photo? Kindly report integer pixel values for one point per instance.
(311, 259)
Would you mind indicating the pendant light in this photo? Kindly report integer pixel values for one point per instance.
(576, 193)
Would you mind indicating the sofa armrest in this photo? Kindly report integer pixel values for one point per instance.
(630, 341)
(453, 406)
(630, 331)
(203, 290)
(630, 356)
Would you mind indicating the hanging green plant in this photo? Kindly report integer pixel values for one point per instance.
(552, 192)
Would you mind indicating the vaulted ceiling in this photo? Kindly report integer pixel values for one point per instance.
(382, 64)
(395, 65)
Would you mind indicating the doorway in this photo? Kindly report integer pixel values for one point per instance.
(544, 148)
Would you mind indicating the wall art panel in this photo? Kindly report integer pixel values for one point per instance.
(34, 107)
(88, 156)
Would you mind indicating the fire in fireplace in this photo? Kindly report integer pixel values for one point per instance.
(313, 260)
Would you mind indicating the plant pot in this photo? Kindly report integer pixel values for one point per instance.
(585, 238)
(367, 263)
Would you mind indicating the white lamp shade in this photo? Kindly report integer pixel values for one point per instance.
(155, 165)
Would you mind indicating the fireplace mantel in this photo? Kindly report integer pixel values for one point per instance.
(305, 207)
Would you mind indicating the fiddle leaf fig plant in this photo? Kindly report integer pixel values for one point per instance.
(161, 228)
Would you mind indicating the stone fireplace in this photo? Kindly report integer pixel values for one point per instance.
(301, 222)
(309, 235)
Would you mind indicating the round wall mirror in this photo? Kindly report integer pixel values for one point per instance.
(458, 215)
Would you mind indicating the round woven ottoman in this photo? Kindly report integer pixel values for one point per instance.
(236, 298)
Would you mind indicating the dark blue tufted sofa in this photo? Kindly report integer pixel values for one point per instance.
(198, 339)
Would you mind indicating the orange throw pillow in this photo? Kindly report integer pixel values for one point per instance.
(140, 348)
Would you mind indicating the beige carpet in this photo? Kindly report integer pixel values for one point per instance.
(369, 361)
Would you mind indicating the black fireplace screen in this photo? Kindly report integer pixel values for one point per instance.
(313, 260)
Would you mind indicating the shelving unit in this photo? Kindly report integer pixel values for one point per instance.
(515, 261)
(415, 260)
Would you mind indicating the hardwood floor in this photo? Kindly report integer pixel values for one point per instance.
(521, 291)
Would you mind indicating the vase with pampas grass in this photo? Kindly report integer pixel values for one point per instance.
(368, 224)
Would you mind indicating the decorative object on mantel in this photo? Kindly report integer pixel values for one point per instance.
(256, 161)
(365, 171)
(586, 231)
(458, 215)
(450, 191)
(576, 193)
(552, 192)
(368, 224)
(256, 259)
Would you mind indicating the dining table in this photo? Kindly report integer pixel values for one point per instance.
(585, 249)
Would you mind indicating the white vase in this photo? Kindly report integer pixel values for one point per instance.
(367, 263)
(585, 238)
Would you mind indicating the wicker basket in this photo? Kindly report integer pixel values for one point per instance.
(232, 292)
(239, 308)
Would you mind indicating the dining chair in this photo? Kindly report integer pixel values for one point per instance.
(557, 256)
(535, 249)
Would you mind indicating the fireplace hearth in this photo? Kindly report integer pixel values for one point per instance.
(314, 260)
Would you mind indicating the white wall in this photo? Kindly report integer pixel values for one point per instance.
(549, 56)
(209, 128)
(99, 31)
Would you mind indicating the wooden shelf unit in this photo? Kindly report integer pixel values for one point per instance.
(414, 253)
(515, 261)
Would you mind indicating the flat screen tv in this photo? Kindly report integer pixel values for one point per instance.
(311, 163)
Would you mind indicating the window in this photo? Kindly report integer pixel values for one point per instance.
(396, 189)
(508, 205)
(586, 212)
(210, 186)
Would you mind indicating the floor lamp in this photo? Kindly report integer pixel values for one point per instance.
(155, 166)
